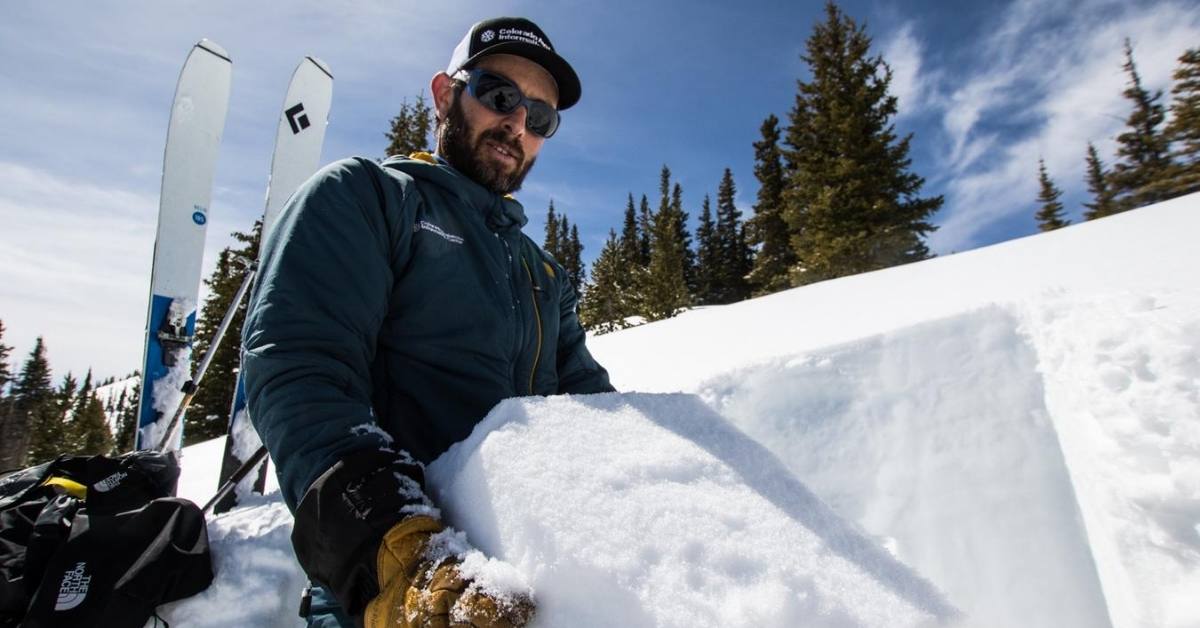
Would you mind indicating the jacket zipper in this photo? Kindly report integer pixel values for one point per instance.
(537, 317)
(518, 320)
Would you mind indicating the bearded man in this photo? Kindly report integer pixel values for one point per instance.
(397, 303)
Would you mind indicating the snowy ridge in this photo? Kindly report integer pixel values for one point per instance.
(110, 394)
(1013, 432)
(1142, 251)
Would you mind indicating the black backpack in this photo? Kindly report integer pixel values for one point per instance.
(98, 541)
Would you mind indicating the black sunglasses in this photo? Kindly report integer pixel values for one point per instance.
(502, 96)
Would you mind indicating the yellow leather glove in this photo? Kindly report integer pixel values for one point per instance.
(414, 592)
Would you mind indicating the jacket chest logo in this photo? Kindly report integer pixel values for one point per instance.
(425, 225)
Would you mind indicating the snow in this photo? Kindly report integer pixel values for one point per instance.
(667, 512)
(168, 393)
(937, 439)
(1012, 434)
(110, 394)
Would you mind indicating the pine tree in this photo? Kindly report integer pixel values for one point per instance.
(208, 415)
(666, 290)
(90, 434)
(576, 269)
(564, 239)
(66, 394)
(1097, 179)
(410, 128)
(78, 404)
(766, 230)
(646, 231)
(1184, 129)
(708, 257)
(49, 432)
(30, 392)
(684, 238)
(550, 245)
(850, 203)
(5, 370)
(1138, 179)
(731, 236)
(127, 419)
(85, 392)
(632, 283)
(605, 304)
(631, 239)
(562, 243)
(1050, 216)
(5, 398)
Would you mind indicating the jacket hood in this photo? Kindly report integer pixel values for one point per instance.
(502, 213)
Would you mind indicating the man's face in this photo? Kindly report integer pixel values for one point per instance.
(493, 149)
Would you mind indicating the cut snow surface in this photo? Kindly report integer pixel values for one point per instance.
(1012, 433)
(937, 441)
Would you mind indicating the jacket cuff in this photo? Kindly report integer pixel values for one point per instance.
(343, 516)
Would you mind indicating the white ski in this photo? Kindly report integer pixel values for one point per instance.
(298, 143)
(193, 137)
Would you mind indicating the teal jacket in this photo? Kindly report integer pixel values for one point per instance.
(396, 304)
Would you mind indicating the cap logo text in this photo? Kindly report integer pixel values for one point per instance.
(527, 37)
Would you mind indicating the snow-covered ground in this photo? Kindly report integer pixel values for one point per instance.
(110, 395)
(1010, 436)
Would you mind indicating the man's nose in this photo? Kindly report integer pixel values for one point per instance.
(514, 122)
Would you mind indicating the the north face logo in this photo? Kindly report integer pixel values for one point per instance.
(110, 482)
(487, 36)
(73, 589)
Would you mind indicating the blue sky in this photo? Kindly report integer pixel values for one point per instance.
(85, 93)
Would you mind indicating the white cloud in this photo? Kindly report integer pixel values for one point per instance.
(74, 266)
(903, 53)
(1059, 78)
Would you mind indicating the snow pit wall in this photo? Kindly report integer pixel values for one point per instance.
(936, 440)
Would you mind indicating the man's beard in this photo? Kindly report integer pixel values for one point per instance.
(454, 144)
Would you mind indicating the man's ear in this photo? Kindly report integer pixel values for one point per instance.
(442, 88)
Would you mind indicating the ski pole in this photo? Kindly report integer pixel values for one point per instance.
(189, 388)
(237, 476)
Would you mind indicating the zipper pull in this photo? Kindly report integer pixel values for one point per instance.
(306, 601)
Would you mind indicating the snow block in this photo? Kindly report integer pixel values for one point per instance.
(652, 510)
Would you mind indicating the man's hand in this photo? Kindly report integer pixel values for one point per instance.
(416, 592)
